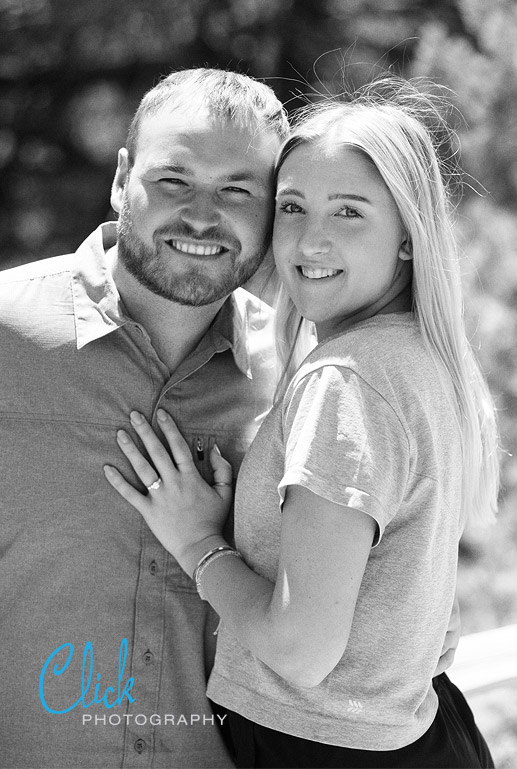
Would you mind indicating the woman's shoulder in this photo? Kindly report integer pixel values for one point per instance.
(385, 354)
(385, 342)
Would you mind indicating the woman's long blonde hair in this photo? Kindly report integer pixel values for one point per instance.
(402, 131)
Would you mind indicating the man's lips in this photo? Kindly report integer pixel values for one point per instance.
(196, 249)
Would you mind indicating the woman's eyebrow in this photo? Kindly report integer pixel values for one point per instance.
(290, 191)
(348, 196)
(335, 196)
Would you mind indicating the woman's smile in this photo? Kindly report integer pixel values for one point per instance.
(317, 273)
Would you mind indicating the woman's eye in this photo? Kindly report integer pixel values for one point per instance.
(173, 181)
(290, 208)
(349, 213)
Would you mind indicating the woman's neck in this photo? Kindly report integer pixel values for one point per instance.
(398, 299)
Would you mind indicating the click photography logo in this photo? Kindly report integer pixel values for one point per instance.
(120, 695)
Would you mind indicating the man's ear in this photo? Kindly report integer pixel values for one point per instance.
(119, 180)
(405, 250)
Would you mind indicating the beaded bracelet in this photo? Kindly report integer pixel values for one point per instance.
(206, 560)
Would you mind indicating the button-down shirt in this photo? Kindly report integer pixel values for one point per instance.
(80, 571)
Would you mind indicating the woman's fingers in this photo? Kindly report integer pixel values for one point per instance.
(181, 509)
(125, 489)
(155, 448)
(139, 463)
(223, 474)
(162, 469)
(179, 447)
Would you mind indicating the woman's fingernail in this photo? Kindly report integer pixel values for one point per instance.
(216, 448)
(161, 415)
(108, 471)
(136, 417)
(122, 436)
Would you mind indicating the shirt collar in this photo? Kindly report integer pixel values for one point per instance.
(244, 323)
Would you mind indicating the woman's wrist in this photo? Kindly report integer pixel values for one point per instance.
(196, 551)
(207, 560)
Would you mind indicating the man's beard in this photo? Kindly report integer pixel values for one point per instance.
(193, 287)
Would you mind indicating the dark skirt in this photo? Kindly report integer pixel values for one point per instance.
(453, 741)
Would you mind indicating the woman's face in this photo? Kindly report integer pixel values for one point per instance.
(338, 242)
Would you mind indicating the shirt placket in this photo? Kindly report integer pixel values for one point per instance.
(148, 642)
(150, 620)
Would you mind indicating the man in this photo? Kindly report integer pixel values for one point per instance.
(106, 644)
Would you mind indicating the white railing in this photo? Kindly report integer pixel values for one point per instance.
(486, 659)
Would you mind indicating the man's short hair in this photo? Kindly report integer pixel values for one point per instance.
(227, 95)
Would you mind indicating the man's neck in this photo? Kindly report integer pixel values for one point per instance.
(174, 329)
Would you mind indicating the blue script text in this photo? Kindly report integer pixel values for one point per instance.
(86, 679)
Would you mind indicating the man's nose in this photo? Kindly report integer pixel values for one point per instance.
(200, 211)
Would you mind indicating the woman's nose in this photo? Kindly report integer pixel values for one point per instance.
(314, 239)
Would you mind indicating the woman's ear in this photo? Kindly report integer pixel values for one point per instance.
(405, 250)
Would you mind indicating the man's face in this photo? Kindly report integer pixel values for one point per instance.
(196, 207)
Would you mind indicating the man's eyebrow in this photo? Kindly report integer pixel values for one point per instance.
(335, 196)
(173, 169)
(236, 176)
(243, 176)
(257, 182)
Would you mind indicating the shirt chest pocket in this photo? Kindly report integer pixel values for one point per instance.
(201, 445)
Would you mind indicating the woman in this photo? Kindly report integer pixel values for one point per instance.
(351, 501)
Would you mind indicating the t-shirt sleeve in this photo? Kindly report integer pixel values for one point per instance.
(344, 442)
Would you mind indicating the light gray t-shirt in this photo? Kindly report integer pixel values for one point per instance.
(367, 422)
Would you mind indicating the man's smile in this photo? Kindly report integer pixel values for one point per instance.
(196, 249)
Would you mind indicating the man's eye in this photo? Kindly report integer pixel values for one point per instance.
(238, 190)
(172, 180)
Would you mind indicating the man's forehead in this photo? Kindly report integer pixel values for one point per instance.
(181, 117)
(171, 130)
(199, 121)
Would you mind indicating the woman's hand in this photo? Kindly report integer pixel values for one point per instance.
(181, 509)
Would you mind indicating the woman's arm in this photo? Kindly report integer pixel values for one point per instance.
(300, 625)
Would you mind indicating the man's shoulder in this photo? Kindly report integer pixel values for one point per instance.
(246, 301)
(248, 323)
(30, 293)
(40, 269)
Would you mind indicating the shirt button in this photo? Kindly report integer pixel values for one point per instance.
(153, 567)
(140, 746)
(148, 657)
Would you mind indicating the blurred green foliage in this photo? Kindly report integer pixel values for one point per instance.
(71, 75)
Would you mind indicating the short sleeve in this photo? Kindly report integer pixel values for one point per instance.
(344, 442)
